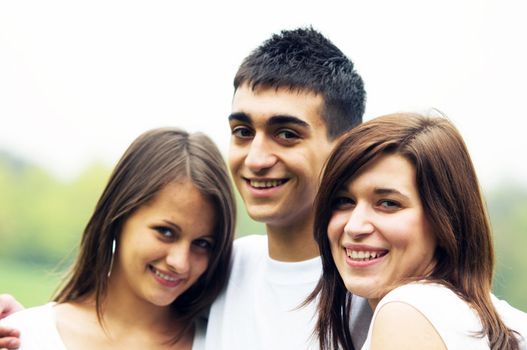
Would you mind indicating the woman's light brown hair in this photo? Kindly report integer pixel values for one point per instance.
(155, 159)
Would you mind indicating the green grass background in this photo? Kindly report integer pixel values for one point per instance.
(31, 284)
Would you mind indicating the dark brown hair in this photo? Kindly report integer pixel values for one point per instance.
(453, 205)
(303, 59)
(155, 159)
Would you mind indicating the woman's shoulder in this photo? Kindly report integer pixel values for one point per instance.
(30, 317)
(422, 292)
(451, 317)
(37, 327)
(398, 325)
(437, 302)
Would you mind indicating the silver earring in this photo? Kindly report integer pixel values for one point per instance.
(111, 260)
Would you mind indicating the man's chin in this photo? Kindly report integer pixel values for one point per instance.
(262, 214)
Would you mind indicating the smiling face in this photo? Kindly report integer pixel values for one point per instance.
(278, 146)
(165, 245)
(378, 231)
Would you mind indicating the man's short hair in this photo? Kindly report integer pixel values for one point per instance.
(304, 60)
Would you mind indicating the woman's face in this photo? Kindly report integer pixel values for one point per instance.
(165, 245)
(378, 231)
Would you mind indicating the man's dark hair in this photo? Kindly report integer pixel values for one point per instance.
(303, 59)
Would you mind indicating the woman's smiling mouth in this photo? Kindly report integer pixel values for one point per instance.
(168, 280)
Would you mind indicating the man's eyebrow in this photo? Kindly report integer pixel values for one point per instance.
(287, 119)
(240, 117)
(389, 191)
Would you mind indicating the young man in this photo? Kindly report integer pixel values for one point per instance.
(293, 96)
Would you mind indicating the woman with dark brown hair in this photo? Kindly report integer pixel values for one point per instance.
(400, 220)
(153, 257)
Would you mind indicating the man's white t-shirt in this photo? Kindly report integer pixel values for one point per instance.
(261, 306)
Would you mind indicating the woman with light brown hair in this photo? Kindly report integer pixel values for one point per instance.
(400, 220)
(153, 256)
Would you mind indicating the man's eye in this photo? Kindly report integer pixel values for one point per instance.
(203, 244)
(165, 232)
(242, 132)
(287, 135)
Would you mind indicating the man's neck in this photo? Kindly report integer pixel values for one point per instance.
(291, 243)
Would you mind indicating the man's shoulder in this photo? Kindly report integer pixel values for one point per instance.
(249, 254)
(251, 244)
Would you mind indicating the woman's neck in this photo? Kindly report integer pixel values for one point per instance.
(124, 310)
(127, 323)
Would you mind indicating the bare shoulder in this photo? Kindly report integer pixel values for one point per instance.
(78, 325)
(401, 326)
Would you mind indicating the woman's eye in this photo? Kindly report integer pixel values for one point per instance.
(203, 244)
(242, 132)
(342, 202)
(389, 204)
(165, 232)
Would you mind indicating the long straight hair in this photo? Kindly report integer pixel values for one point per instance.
(453, 205)
(155, 159)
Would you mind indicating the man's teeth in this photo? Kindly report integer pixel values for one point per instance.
(266, 183)
(165, 277)
(362, 255)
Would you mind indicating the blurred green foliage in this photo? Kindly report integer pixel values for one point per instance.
(42, 219)
(32, 284)
(507, 206)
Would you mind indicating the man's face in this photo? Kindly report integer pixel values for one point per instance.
(278, 147)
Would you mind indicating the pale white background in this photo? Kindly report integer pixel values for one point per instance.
(80, 80)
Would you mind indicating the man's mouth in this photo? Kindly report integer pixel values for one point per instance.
(262, 184)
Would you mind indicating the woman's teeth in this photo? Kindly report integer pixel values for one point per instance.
(363, 255)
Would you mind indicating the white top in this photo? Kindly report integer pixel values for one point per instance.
(38, 329)
(453, 318)
(260, 308)
(513, 318)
